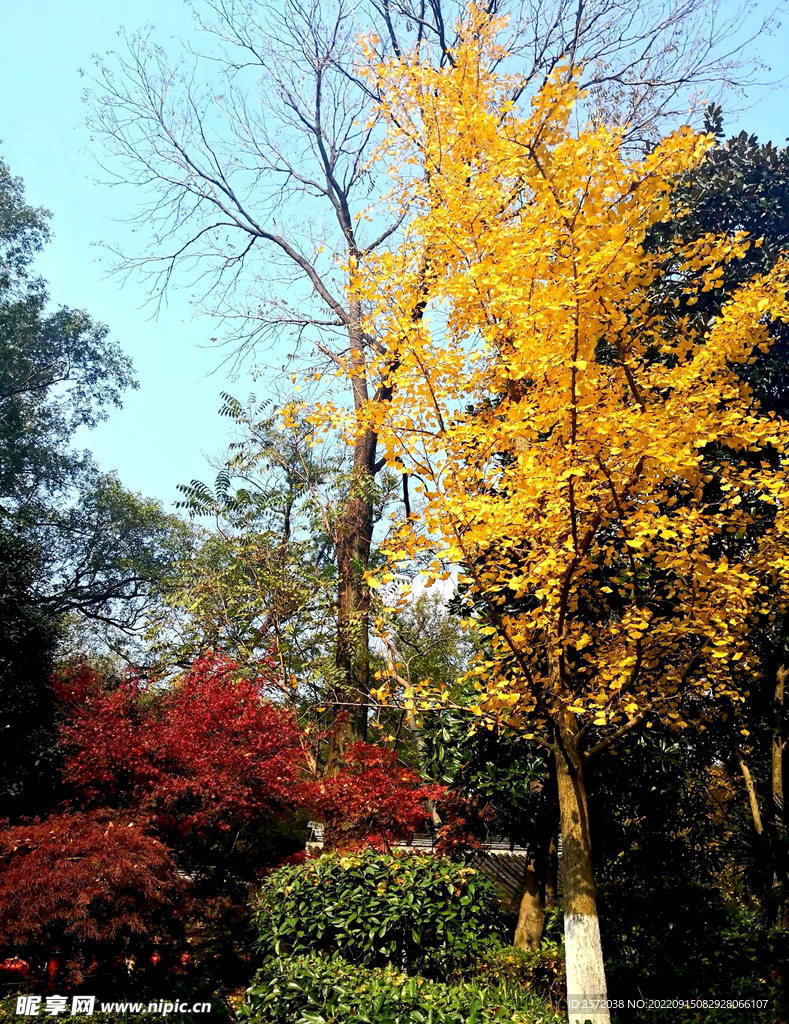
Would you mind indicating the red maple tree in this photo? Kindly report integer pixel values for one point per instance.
(190, 756)
(81, 889)
(190, 763)
(373, 800)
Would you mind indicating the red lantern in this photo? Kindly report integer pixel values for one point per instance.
(52, 970)
(186, 959)
(155, 958)
(15, 966)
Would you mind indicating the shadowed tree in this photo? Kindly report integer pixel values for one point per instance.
(743, 185)
(29, 638)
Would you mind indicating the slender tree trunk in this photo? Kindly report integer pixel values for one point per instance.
(539, 880)
(352, 658)
(774, 849)
(531, 915)
(421, 754)
(778, 746)
(552, 874)
(750, 787)
(354, 539)
(585, 967)
(781, 871)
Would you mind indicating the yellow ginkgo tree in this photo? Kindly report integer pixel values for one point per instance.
(588, 457)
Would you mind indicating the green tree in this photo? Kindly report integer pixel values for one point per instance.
(99, 547)
(263, 580)
(743, 185)
(58, 371)
(105, 556)
(29, 636)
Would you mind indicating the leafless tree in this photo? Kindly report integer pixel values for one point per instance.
(253, 158)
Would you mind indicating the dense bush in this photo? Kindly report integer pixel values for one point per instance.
(536, 970)
(738, 957)
(669, 935)
(319, 990)
(421, 914)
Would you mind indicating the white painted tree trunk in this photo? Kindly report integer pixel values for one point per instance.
(586, 987)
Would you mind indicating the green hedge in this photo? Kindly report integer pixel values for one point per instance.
(422, 914)
(320, 990)
(540, 971)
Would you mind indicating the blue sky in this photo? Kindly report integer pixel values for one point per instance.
(156, 441)
(160, 437)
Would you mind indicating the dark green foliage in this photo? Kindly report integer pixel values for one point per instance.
(422, 914)
(655, 809)
(23, 230)
(105, 555)
(58, 370)
(28, 639)
(680, 937)
(319, 990)
(534, 970)
(730, 956)
(674, 914)
(504, 775)
(658, 851)
(741, 185)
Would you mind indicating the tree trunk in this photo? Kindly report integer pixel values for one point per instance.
(778, 746)
(539, 880)
(421, 753)
(354, 539)
(750, 788)
(585, 967)
(531, 915)
(352, 658)
(552, 874)
(781, 868)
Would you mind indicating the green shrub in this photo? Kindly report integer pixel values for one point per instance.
(421, 914)
(539, 970)
(319, 990)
